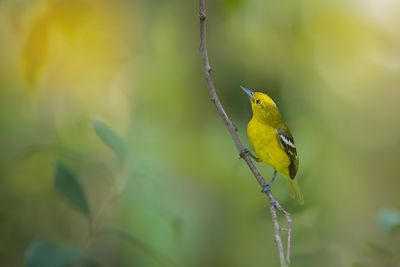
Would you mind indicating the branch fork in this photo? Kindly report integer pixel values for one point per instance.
(274, 204)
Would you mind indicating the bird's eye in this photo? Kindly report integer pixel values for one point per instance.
(258, 102)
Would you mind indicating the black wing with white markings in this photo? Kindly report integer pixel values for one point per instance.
(286, 140)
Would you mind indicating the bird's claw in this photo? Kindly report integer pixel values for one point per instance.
(244, 152)
(266, 188)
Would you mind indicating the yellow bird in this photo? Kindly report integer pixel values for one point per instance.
(272, 141)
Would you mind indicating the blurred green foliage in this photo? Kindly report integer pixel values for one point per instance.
(389, 220)
(114, 91)
(51, 254)
(68, 186)
(110, 138)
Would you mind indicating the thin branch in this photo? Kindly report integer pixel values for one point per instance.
(289, 220)
(278, 240)
(232, 129)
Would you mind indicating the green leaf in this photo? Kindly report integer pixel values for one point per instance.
(110, 138)
(378, 250)
(389, 219)
(67, 184)
(45, 253)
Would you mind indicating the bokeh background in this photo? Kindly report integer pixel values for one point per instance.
(113, 155)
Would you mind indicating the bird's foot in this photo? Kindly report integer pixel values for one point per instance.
(266, 188)
(245, 152)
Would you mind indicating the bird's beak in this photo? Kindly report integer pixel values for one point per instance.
(248, 92)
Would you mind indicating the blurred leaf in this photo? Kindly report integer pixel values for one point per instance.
(35, 50)
(110, 138)
(51, 254)
(139, 244)
(67, 184)
(389, 219)
(378, 250)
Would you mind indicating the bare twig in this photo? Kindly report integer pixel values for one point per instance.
(278, 240)
(289, 220)
(232, 129)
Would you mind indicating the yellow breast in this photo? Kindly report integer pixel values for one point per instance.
(266, 146)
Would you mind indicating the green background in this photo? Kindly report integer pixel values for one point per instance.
(114, 91)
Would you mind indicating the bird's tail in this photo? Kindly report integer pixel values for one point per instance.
(294, 190)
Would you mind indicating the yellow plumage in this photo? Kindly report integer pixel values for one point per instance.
(272, 140)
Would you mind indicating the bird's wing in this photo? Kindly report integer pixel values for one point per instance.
(286, 140)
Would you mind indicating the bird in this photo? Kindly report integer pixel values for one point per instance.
(272, 141)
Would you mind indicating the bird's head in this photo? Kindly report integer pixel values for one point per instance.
(263, 106)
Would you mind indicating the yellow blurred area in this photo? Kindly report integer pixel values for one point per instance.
(74, 53)
(112, 94)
